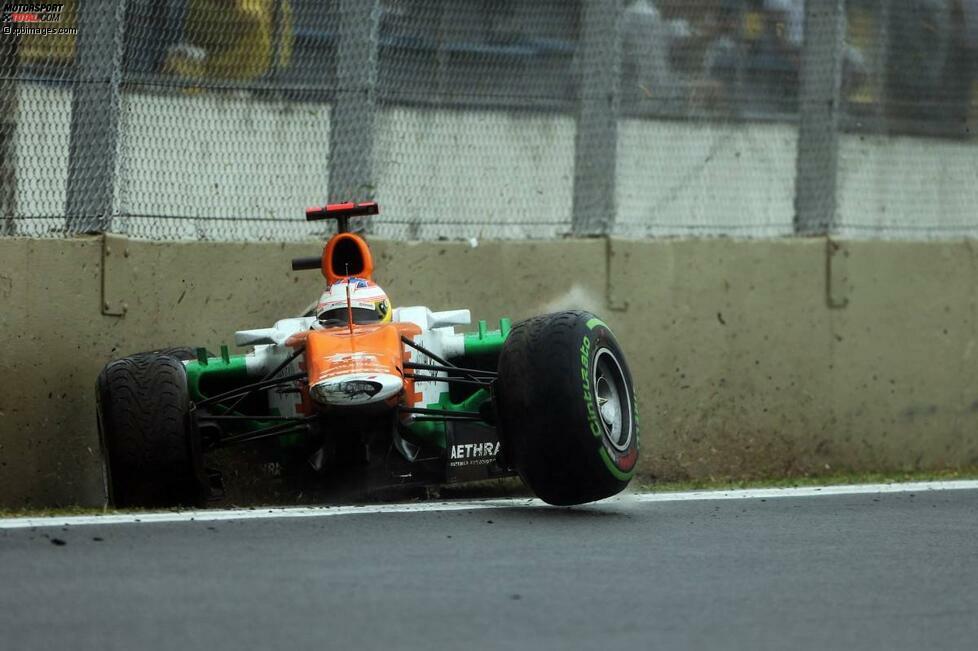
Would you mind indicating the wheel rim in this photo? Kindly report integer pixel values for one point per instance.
(611, 394)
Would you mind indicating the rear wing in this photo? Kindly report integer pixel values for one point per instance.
(342, 212)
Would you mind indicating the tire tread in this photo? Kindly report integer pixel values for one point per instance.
(144, 407)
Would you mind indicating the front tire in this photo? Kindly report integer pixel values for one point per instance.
(566, 407)
(152, 456)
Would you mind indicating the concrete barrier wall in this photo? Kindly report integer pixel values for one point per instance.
(742, 366)
(746, 370)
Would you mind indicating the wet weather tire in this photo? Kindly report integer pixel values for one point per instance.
(151, 455)
(183, 353)
(566, 408)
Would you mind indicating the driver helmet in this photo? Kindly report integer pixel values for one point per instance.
(368, 301)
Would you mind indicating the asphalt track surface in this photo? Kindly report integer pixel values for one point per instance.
(851, 571)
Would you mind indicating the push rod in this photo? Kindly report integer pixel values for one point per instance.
(248, 388)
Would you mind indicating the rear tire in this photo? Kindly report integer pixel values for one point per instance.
(566, 408)
(183, 353)
(152, 456)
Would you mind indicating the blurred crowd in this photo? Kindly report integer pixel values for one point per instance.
(195, 39)
(903, 60)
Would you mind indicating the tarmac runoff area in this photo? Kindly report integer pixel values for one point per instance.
(855, 567)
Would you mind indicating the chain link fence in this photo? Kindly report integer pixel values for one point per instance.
(223, 119)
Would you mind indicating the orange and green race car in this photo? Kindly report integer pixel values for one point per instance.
(398, 395)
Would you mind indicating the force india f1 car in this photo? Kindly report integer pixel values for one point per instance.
(355, 385)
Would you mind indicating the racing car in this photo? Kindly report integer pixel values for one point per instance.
(356, 385)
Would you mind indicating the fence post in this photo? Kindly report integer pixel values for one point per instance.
(351, 127)
(819, 100)
(596, 140)
(95, 108)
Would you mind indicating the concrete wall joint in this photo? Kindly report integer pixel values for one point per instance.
(116, 275)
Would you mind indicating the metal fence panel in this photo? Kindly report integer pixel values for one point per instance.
(907, 152)
(37, 75)
(226, 117)
(223, 119)
(475, 138)
(710, 102)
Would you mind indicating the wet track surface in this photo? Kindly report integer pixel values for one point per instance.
(848, 571)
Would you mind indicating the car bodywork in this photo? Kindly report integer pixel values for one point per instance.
(301, 378)
(395, 396)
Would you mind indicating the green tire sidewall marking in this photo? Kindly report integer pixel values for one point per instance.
(596, 429)
(593, 322)
(592, 415)
(612, 468)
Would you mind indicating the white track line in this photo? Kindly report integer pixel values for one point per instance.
(473, 505)
(810, 491)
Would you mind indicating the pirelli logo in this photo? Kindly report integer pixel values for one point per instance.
(31, 13)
